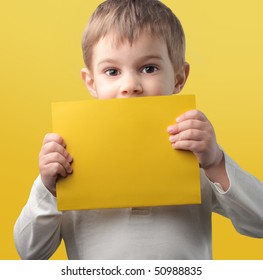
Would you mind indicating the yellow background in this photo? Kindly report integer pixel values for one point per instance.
(40, 60)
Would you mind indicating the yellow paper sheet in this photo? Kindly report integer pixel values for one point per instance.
(122, 155)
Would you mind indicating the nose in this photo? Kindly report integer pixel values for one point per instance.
(131, 85)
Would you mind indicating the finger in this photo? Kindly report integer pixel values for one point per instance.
(192, 114)
(53, 137)
(188, 145)
(190, 134)
(52, 147)
(54, 158)
(185, 125)
(54, 170)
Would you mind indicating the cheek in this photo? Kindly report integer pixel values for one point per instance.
(169, 84)
(167, 88)
(105, 90)
(161, 86)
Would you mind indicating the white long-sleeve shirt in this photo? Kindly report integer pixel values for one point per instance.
(170, 232)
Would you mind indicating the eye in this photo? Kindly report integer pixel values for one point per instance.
(112, 72)
(148, 69)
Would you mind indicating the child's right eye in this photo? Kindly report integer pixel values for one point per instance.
(112, 72)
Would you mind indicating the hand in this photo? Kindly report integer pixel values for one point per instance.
(194, 132)
(54, 161)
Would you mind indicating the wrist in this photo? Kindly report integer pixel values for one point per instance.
(216, 172)
(216, 162)
(50, 187)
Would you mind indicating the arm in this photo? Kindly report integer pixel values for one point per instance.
(238, 195)
(242, 202)
(37, 230)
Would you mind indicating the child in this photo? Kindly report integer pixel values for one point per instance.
(135, 48)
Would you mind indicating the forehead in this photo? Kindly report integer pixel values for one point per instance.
(145, 43)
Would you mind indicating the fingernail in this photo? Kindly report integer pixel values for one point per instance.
(171, 139)
(173, 145)
(178, 119)
(70, 158)
(170, 129)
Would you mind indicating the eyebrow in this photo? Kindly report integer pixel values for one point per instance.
(107, 60)
(146, 57)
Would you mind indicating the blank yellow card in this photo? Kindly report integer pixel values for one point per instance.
(122, 155)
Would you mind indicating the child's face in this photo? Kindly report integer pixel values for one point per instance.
(141, 69)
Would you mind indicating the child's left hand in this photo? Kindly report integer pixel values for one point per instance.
(194, 132)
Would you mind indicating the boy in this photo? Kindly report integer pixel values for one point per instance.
(135, 48)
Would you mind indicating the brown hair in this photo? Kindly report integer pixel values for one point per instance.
(128, 19)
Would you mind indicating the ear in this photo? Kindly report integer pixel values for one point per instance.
(181, 76)
(88, 80)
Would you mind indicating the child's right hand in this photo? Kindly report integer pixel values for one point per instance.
(54, 161)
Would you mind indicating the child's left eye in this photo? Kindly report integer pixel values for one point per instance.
(148, 69)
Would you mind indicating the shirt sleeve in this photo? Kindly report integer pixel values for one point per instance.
(37, 229)
(242, 202)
